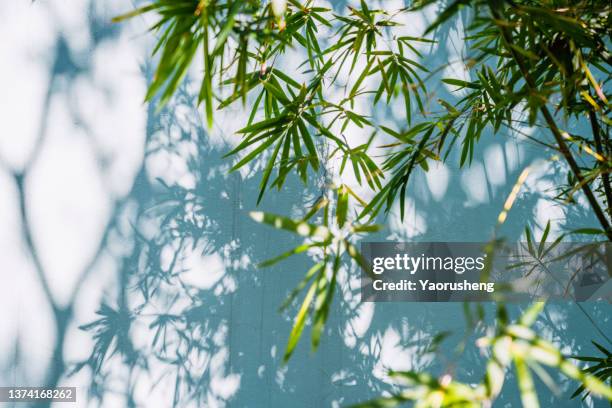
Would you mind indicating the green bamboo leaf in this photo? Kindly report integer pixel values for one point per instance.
(589, 231)
(310, 146)
(227, 28)
(588, 359)
(268, 170)
(356, 255)
(255, 152)
(366, 228)
(264, 124)
(578, 391)
(543, 239)
(461, 83)
(360, 79)
(602, 349)
(307, 278)
(297, 250)
(277, 92)
(286, 78)
(531, 314)
(530, 246)
(299, 227)
(342, 206)
(325, 294)
(552, 246)
(525, 383)
(494, 378)
(300, 322)
(250, 140)
(206, 91)
(134, 13)
(392, 132)
(590, 382)
(418, 39)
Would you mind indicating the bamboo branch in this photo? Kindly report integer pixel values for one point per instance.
(563, 148)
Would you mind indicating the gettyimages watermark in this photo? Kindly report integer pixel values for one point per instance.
(467, 271)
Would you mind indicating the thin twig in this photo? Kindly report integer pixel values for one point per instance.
(599, 149)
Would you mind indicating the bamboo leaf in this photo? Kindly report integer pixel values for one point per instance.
(342, 206)
(298, 227)
(300, 322)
